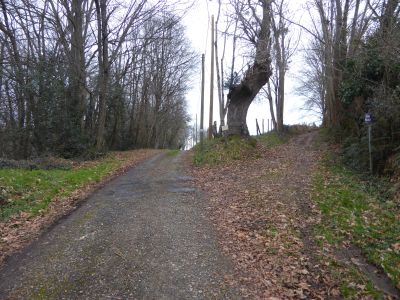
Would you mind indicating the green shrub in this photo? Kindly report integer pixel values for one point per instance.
(272, 139)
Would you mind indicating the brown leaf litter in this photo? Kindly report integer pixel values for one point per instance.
(263, 212)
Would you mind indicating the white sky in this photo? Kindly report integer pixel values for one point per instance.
(197, 23)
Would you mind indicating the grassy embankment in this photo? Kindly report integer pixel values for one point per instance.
(224, 150)
(354, 211)
(360, 212)
(31, 191)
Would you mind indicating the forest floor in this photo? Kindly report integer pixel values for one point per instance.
(144, 235)
(271, 225)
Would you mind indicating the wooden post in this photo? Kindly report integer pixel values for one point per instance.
(202, 102)
(268, 125)
(210, 123)
(371, 167)
(193, 138)
(263, 126)
(258, 128)
(368, 121)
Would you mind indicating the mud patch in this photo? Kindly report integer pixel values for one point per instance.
(3, 201)
(352, 255)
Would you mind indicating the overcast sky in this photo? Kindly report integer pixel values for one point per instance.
(197, 22)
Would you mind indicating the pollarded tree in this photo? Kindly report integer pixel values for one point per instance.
(256, 30)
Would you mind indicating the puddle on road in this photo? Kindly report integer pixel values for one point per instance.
(182, 190)
(184, 178)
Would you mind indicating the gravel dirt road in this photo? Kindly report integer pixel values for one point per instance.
(145, 235)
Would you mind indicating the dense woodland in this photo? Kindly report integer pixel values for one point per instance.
(83, 76)
(354, 68)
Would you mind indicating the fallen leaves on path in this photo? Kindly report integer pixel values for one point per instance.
(263, 211)
(22, 229)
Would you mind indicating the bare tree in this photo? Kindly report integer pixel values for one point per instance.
(339, 44)
(17, 76)
(284, 46)
(56, 97)
(312, 83)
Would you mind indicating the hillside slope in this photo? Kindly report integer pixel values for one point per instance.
(265, 209)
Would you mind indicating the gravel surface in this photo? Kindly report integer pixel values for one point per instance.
(145, 235)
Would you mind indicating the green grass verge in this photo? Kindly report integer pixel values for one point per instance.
(32, 191)
(273, 139)
(223, 150)
(173, 153)
(233, 148)
(354, 209)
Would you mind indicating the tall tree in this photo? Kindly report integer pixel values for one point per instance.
(283, 48)
(241, 95)
(339, 44)
(71, 21)
(57, 98)
(17, 77)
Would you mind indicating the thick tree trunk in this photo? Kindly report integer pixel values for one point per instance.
(237, 114)
(78, 72)
(241, 96)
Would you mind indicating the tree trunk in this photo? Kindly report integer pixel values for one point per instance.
(281, 65)
(220, 74)
(271, 104)
(102, 23)
(280, 104)
(237, 114)
(78, 72)
(255, 78)
(19, 79)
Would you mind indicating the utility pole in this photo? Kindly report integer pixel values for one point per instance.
(210, 124)
(202, 102)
